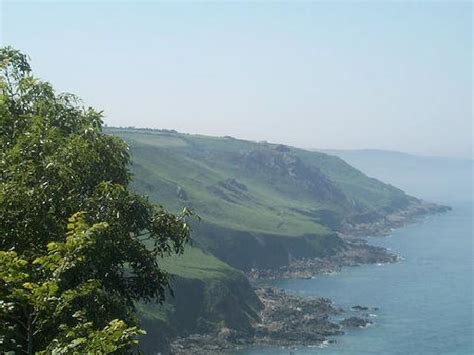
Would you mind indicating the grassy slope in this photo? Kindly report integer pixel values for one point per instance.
(272, 203)
(158, 172)
(196, 264)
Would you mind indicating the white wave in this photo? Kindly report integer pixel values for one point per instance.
(324, 344)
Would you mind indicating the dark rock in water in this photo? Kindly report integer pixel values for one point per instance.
(355, 322)
(360, 308)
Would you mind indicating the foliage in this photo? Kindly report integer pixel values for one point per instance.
(77, 279)
(47, 298)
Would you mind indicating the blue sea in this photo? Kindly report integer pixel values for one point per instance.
(426, 300)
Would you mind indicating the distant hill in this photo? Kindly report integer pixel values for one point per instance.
(440, 179)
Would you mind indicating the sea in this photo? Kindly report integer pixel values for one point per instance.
(425, 301)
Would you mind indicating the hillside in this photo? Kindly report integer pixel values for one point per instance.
(435, 178)
(261, 204)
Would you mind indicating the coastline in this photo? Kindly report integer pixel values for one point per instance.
(356, 250)
(288, 320)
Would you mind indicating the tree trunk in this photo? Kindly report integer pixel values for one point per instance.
(30, 334)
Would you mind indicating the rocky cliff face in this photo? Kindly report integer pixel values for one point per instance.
(200, 306)
(246, 250)
(284, 164)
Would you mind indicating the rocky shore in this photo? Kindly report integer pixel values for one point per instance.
(384, 224)
(286, 320)
(354, 253)
(356, 250)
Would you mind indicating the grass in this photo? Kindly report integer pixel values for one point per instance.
(164, 161)
(196, 264)
(159, 173)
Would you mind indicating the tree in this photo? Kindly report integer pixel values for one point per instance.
(29, 304)
(77, 248)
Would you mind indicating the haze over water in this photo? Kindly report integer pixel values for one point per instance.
(425, 301)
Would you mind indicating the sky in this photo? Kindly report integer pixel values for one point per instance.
(341, 75)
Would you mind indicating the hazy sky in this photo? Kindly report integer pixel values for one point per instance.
(389, 75)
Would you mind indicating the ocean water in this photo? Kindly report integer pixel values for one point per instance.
(425, 301)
